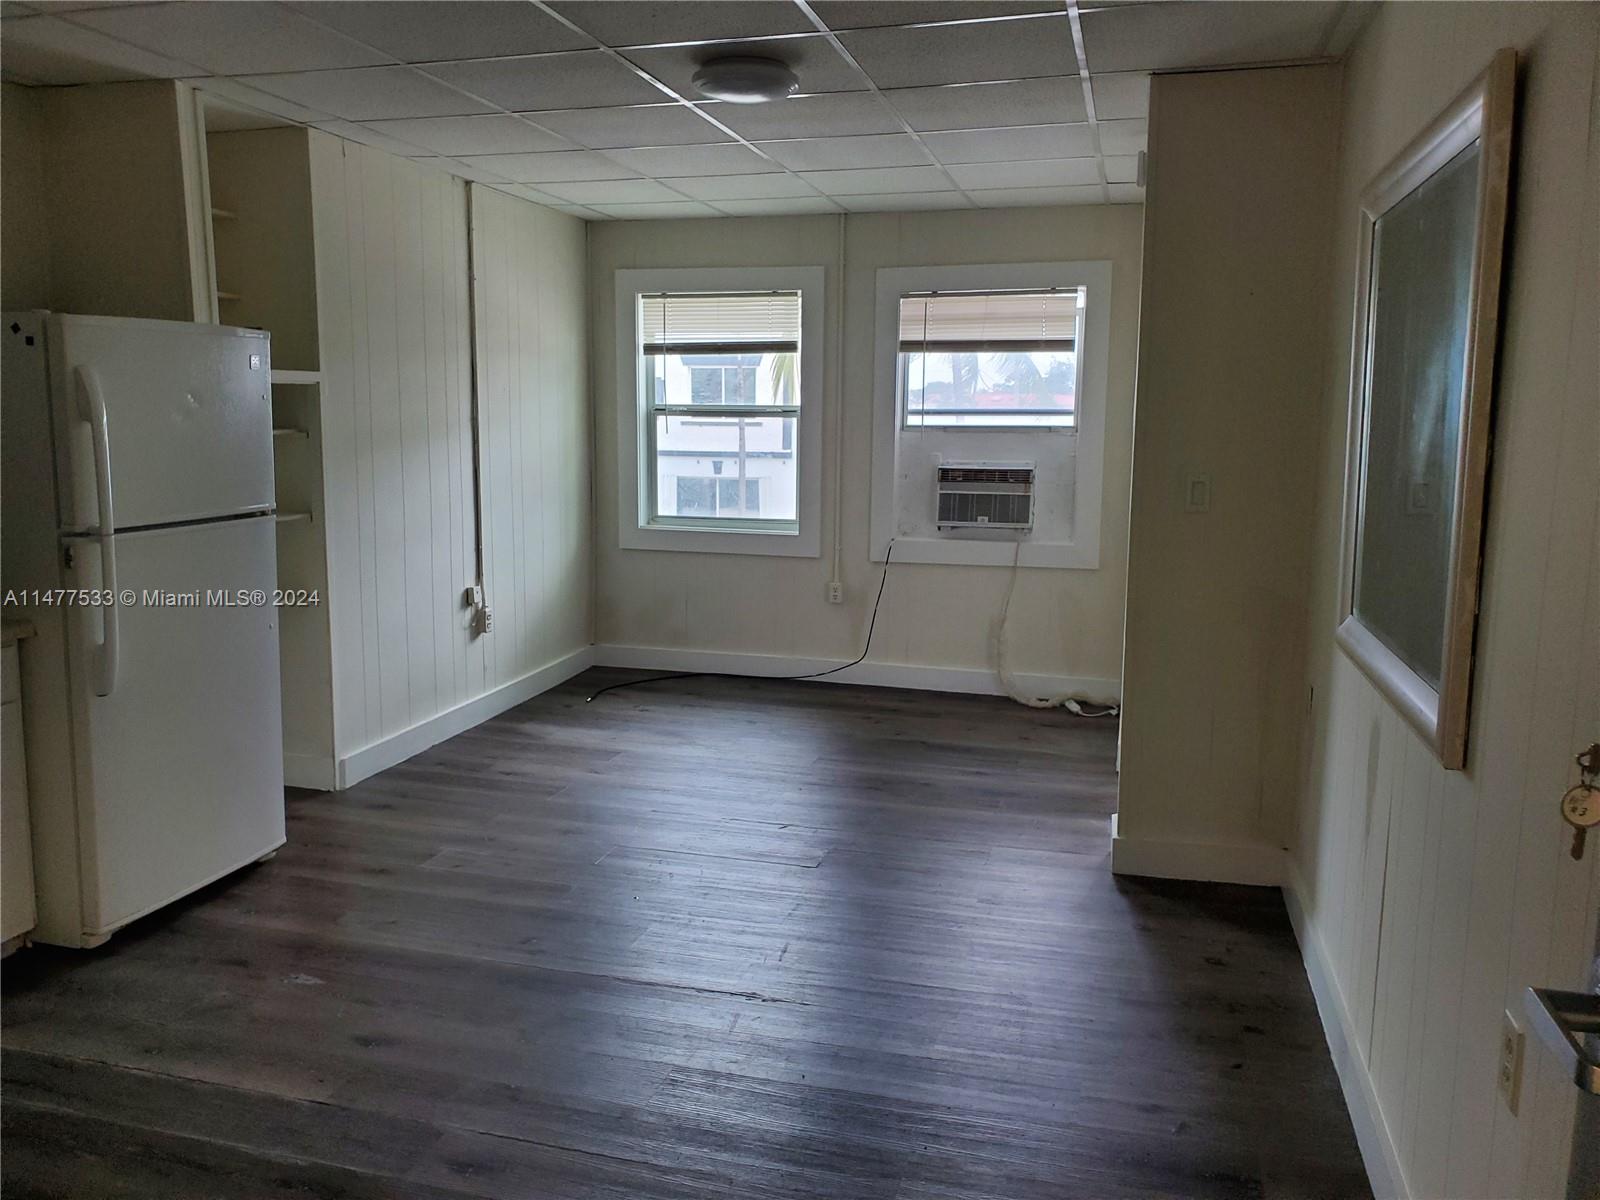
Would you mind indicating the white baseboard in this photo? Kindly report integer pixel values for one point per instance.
(972, 680)
(310, 771)
(1372, 1133)
(1210, 862)
(398, 747)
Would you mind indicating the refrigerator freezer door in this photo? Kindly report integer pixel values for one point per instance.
(186, 412)
(181, 765)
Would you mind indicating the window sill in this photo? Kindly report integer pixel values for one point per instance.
(724, 539)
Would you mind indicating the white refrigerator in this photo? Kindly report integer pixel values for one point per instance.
(139, 538)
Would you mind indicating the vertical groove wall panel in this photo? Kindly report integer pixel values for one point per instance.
(531, 335)
(393, 280)
(1476, 895)
(416, 486)
(443, 541)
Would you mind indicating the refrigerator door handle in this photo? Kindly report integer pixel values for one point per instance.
(92, 408)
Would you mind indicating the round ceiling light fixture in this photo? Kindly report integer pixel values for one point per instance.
(745, 80)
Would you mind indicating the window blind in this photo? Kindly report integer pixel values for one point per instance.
(720, 323)
(999, 322)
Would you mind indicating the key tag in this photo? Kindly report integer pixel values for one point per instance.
(1580, 804)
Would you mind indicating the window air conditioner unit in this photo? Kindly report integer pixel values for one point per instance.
(985, 495)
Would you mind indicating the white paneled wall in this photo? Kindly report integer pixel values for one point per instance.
(393, 279)
(532, 377)
(1431, 898)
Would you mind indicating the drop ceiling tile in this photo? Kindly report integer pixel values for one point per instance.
(865, 180)
(1126, 193)
(820, 67)
(224, 116)
(466, 170)
(486, 134)
(613, 191)
(868, 150)
(583, 79)
(668, 162)
(836, 115)
(1038, 197)
(368, 135)
(429, 30)
(918, 56)
(1122, 168)
(567, 166)
(1056, 172)
(369, 93)
(1117, 97)
(905, 202)
(866, 14)
(648, 23)
(1123, 137)
(245, 35)
(231, 91)
(777, 207)
(991, 105)
(655, 212)
(649, 125)
(780, 185)
(1159, 37)
(1015, 144)
(47, 50)
(523, 192)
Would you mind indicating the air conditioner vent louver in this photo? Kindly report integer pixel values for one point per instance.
(985, 496)
(986, 475)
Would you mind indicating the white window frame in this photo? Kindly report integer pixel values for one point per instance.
(1082, 551)
(635, 528)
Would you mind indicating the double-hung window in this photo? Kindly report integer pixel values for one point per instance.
(998, 364)
(721, 371)
(719, 407)
(990, 359)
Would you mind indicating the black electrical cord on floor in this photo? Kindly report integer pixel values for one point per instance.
(865, 650)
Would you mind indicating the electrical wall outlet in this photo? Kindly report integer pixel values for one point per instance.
(486, 619)
(1508, 1076)
(835, 592)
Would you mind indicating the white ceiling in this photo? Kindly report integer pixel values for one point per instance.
(586, 105)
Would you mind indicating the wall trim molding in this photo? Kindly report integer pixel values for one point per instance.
(968, 680)
(1372, 1131)
(1211, 862)
(310, 771)
(398, 747)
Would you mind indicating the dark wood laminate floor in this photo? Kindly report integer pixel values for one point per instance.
(708, 938)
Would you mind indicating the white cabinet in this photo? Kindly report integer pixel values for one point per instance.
(16, 838)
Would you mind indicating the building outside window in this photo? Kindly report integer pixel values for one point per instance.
(719, 406)
(989, 360)
(724, 386)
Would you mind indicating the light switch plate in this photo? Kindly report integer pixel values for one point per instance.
(1197, 493)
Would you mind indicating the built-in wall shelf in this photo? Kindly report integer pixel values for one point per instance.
(263, 247)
